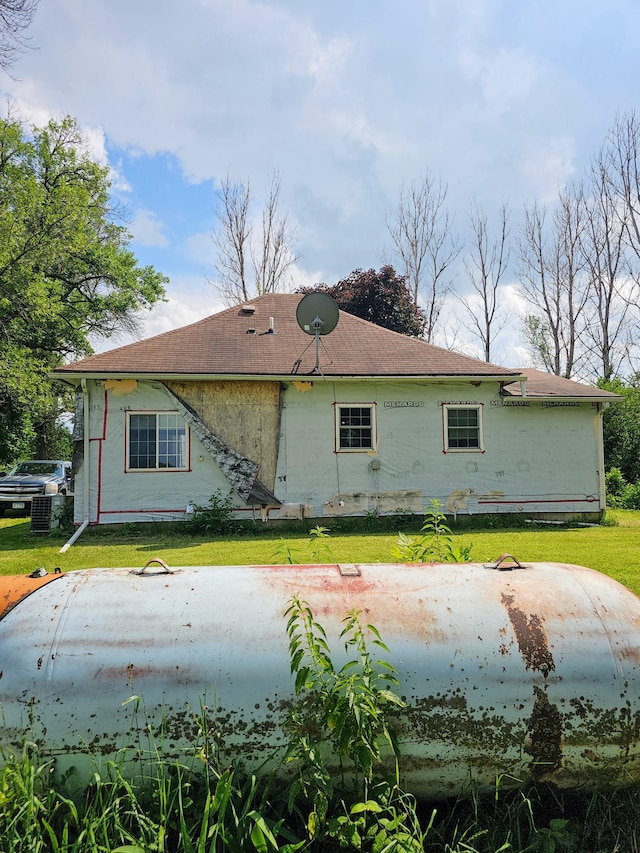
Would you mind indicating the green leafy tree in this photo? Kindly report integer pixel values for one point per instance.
(66, 273)
(381, 297)
(621, 429)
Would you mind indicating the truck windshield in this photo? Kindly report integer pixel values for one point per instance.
(37, 468)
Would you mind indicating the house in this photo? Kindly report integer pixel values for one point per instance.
(363, 420)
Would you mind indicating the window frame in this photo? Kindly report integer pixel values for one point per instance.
(337, 426)
(129, 469)
(446, 408)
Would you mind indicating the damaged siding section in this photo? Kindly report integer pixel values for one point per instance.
(241, 472)
(244, 415)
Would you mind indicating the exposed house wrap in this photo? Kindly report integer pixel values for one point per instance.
(241, 472)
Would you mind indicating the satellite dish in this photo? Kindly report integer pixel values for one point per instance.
(317, 314)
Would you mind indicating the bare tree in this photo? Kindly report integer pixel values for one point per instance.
(550, 275)
(231, 239)
(15, 17)
(581, 271)
(274, 254)
(618, 167)
(611, 287)
(251, 259)
(619, 164)
(421, 233)
(486, 267)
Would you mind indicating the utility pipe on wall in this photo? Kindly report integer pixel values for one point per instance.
(598, 428)
(85, 469)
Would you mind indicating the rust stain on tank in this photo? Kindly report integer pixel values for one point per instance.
(331, 595)
(545, 735)
(448, 719)
(172, 674)
(531, 637)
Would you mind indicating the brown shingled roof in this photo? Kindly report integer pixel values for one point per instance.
(237, 342)
(547, 386)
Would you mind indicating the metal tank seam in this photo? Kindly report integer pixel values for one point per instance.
(75, 578)
(616, 657)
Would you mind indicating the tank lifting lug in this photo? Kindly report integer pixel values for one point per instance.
(505, 563)
(38, 573)
(165, 568)
(42, 572)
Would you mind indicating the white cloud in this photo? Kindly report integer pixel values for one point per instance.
(189, 299)
(200, 247)
(147, 229)
(508, 347)
(506, 78)
(95, 144)
(180, 309)
(548, 163)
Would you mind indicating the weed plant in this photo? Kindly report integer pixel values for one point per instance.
(214, 518)
(435, 545)
(315, 550)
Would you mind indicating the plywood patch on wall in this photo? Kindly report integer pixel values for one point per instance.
(246, 415)
(121, 387)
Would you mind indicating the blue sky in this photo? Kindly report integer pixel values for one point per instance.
(500, 99)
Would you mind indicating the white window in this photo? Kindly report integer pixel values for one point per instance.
(156, 441)
(355, 427)
(463, 428)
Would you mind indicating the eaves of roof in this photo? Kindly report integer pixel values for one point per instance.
(76, 375)
(543, 386)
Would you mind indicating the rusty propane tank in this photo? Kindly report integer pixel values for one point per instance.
(533, 673)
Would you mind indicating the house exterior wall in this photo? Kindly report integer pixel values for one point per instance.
(115, 495)
(537, 457)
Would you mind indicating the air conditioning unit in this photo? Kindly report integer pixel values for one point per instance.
(45, 510)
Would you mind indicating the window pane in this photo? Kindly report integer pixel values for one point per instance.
(157, 441)
(463, 428)
(142, 441)
(356, 428)
(171, 442)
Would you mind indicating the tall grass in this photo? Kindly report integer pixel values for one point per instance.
(177, 809)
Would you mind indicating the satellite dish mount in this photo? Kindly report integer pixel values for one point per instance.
(317, 314)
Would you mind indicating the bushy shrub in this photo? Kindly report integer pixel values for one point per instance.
(620, 493)
(615, 482)
(215, 517)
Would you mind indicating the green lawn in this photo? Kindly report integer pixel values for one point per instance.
(614, 550)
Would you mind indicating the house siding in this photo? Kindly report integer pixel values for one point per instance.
(115, 495)
(539, 457)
